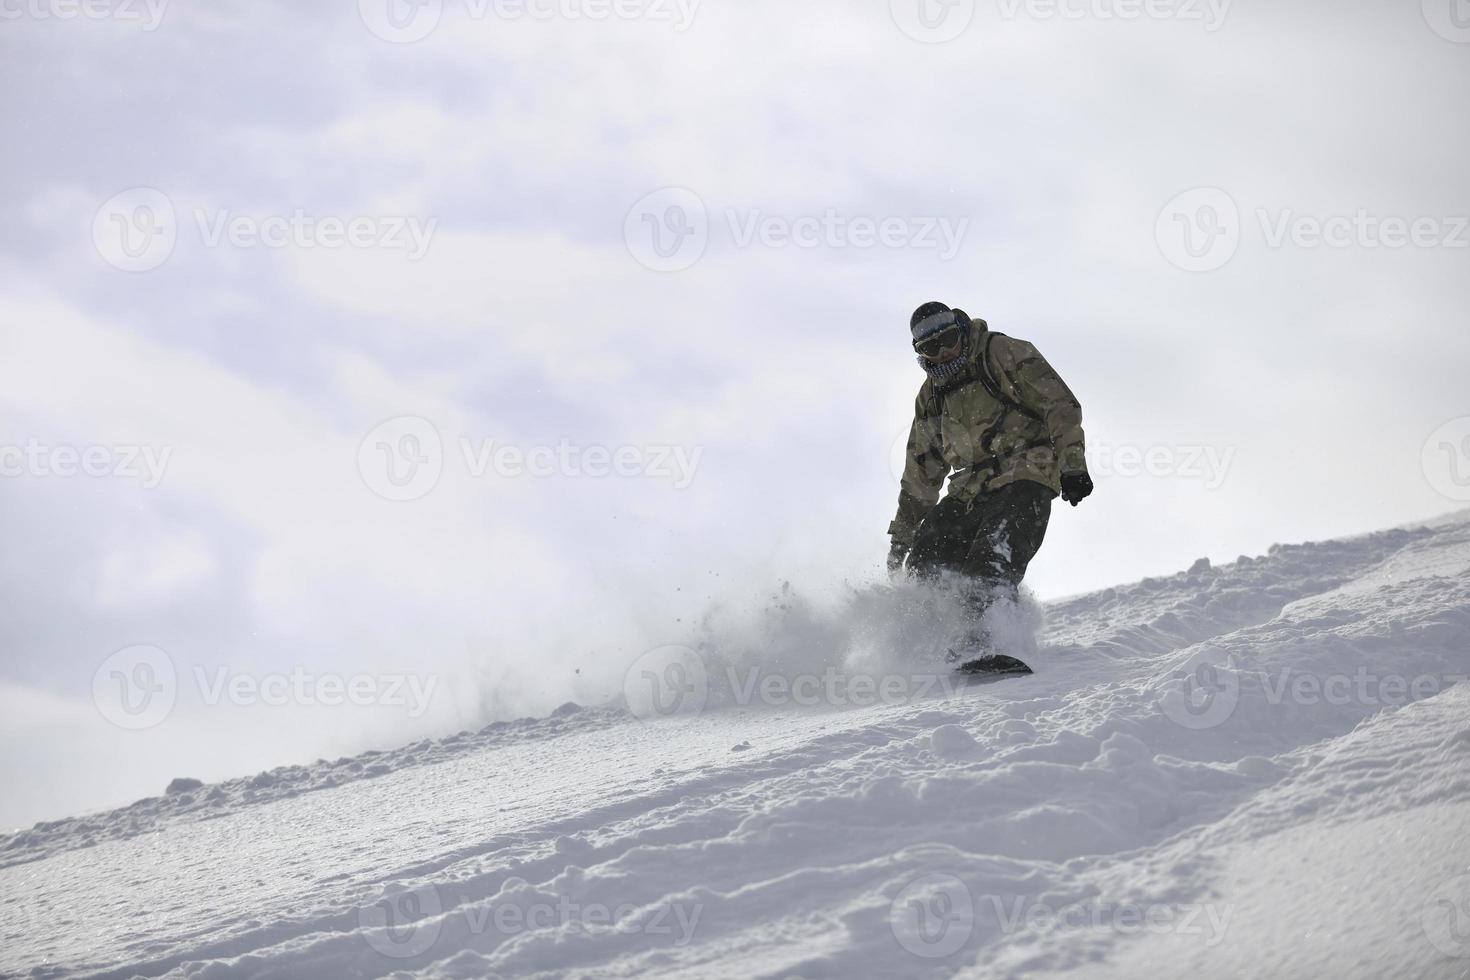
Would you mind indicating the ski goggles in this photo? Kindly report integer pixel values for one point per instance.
(942, 339)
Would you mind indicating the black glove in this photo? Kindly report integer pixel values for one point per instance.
(897, 552)
(1076, 486)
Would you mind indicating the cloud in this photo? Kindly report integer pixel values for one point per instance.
(530, 322)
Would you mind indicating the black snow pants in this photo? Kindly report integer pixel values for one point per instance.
(988, 542)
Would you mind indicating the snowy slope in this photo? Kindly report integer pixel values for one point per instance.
(1261, 769)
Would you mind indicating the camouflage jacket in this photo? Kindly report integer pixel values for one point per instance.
(1032, 431)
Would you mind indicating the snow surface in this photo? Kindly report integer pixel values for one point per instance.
(1261, 769)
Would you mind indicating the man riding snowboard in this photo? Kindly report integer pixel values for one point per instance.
(998, 421)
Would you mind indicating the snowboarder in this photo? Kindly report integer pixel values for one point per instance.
(1002, 425)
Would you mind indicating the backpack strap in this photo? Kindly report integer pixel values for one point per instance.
(986, 376)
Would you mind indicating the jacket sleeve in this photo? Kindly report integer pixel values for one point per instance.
(1036, 385)
(924, 470)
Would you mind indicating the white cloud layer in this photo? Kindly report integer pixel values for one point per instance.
(1055, 142)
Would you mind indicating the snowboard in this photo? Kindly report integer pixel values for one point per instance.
(994, 665)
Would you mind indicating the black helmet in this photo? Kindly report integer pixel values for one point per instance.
(933, 317)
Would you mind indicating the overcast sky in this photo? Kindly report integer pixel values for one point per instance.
(629, 285)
